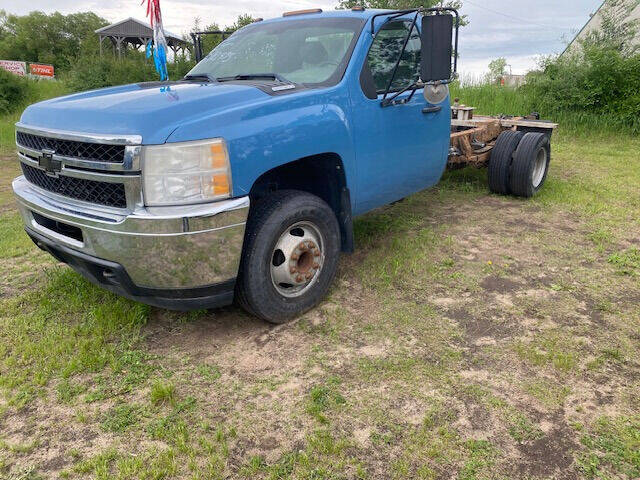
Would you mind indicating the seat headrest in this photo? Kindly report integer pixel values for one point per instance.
(314, 53)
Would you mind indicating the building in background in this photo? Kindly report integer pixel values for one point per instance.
(595, 23)
(135, 34)
(511, 80)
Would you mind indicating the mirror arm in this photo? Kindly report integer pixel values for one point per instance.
(404, 47)
(392, 99)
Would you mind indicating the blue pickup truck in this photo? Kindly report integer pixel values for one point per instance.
(241, 180)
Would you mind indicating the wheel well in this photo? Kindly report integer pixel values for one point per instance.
(321, 175)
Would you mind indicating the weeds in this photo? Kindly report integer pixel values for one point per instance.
(121, 417)
(163, 393)
(613, 445)
(323, 398)
(626, 262)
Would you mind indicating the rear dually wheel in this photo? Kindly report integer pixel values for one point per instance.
(501, 159)
(530, 164)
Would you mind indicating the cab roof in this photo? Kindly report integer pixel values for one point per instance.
(364, 14)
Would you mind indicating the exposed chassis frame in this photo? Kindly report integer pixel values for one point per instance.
(473, 140)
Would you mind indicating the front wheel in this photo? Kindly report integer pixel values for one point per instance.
(290, 256)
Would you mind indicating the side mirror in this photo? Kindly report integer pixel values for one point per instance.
(437, 48)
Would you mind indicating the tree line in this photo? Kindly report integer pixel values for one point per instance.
(70, 44)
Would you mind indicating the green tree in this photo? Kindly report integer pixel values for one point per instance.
(497, 68)
(401, 4)
(242, 21)
(209, 42)
(54, 38)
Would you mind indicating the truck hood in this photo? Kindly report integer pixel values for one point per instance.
(152, 110)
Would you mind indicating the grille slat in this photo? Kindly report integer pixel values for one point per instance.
(97, 152)
(103, 193)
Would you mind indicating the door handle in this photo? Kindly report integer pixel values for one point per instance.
(435, 109)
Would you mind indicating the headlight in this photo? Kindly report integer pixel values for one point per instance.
(186, 172)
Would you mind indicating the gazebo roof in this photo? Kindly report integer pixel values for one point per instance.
(133, 28)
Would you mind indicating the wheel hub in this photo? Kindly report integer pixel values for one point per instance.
(297, 259)
(302, 264)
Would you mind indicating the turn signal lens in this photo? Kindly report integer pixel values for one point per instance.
(218, 156)
(221, 185)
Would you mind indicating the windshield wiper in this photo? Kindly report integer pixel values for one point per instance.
(254, 76)
(200, 76)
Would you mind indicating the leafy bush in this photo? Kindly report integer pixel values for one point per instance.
(600, 81)
(91, 71)
(17, 92)
(13, 91)
(599, 76)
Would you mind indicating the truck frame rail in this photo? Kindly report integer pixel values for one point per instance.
(473, 137)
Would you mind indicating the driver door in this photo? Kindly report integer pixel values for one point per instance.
(399, 148)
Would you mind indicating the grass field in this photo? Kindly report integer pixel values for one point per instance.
(470, 336)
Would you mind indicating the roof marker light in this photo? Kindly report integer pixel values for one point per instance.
(302, 12)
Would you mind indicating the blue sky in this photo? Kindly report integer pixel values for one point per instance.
(519, 30)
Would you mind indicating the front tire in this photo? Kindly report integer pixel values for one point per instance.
(290, 256)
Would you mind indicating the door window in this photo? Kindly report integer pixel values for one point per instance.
(384, 52)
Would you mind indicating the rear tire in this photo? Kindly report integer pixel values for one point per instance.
(290, 256)
(530, 164)
(500, 161)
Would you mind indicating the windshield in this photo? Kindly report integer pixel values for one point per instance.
(309, 51)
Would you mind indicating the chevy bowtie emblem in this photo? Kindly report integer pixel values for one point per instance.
(51, 167)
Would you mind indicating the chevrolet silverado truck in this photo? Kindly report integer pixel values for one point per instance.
(241, 180)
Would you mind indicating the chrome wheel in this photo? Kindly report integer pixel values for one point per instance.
(297, 259)
(540, 167)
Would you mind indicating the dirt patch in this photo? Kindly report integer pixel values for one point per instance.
(493, 283)
(204, 335)
(549, 456)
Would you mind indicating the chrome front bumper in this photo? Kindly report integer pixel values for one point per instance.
(165, 252)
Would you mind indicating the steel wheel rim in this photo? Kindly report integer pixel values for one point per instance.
(297, 259)
(540, 167)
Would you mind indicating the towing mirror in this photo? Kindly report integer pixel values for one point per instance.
(437, 48)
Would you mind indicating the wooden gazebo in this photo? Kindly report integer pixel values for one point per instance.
(136, 34)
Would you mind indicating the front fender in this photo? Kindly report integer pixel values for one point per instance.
(280, 130)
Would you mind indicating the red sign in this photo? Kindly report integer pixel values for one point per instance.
(18, 68)
(41, 70)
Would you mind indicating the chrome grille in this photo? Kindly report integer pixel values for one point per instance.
(70, 148)
(102, 193)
